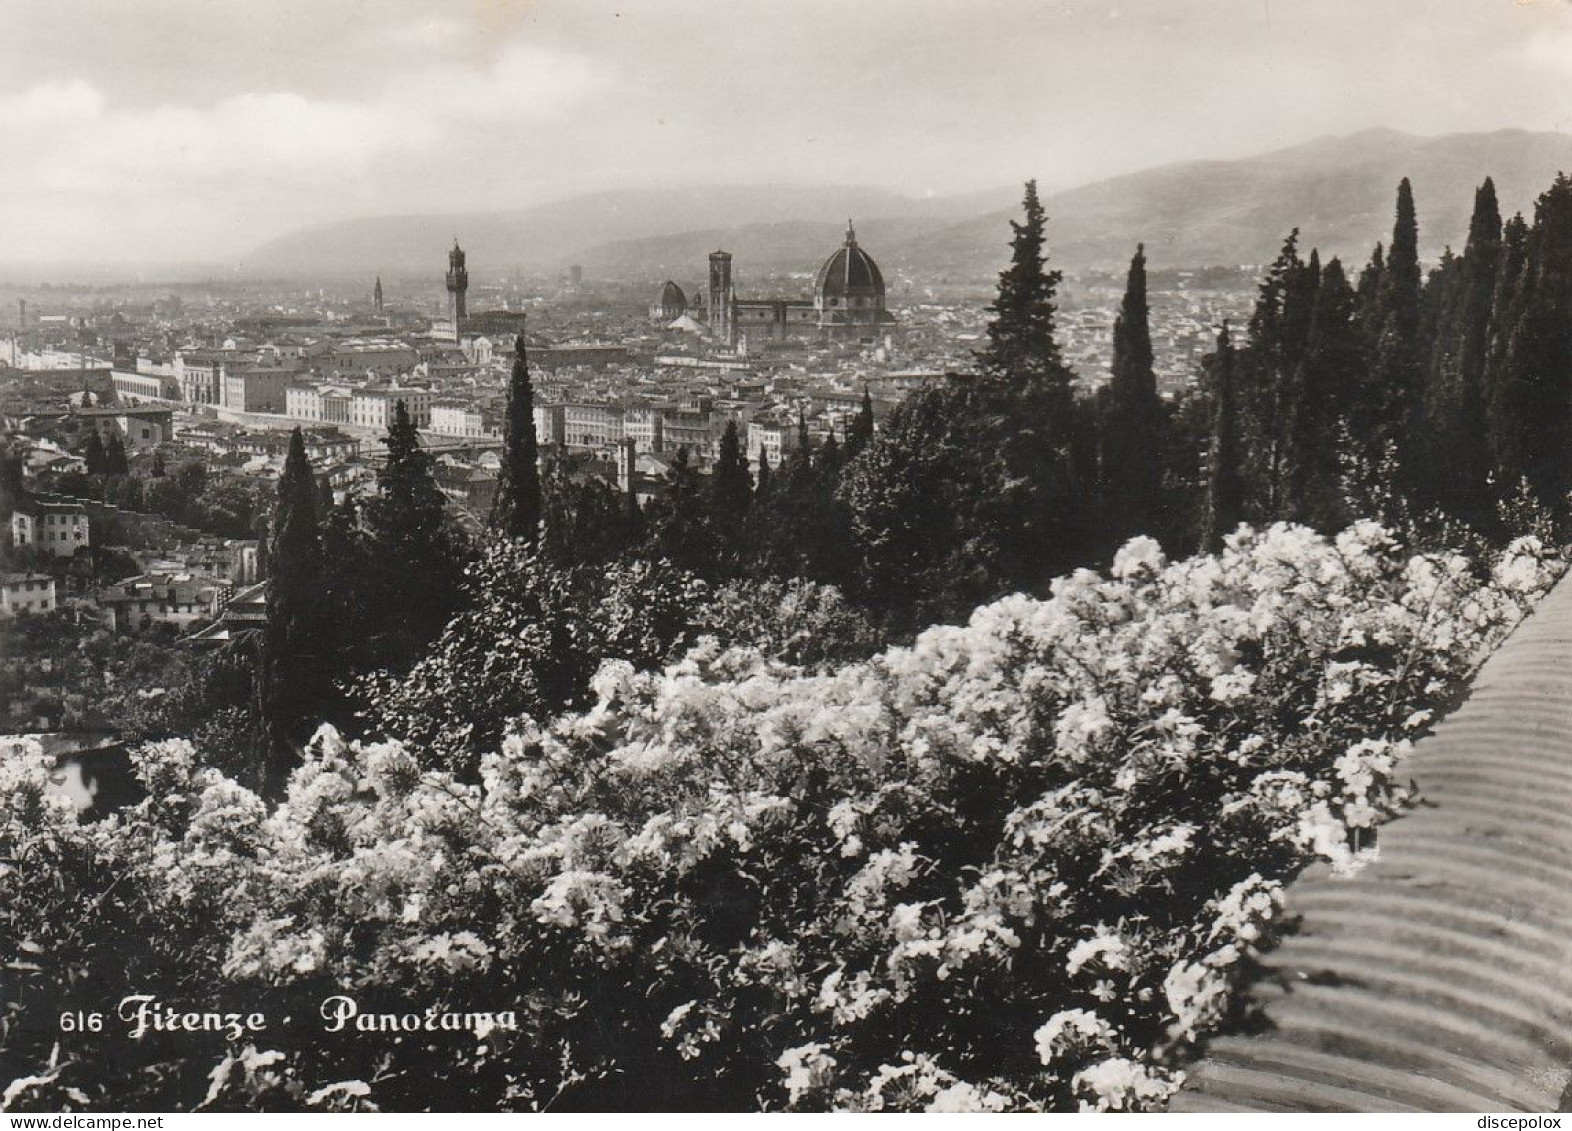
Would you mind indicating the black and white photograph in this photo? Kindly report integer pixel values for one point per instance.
(822, 556)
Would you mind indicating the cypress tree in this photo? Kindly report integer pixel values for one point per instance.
(517, 509)
(1397, 363)
(860, 433)
(1133, 439)
(799, 465)
(761, 489)
(1224, 483)
(95, 455)
(634, 529)
(1325, 392)
(1461, 464)
(344, 575)
(1531, 417)
(13, 485)
(731, 488)
(1503, 306)
(115, 462)
(157, 471)
(293, 670)
(261, 530)
(823, 526)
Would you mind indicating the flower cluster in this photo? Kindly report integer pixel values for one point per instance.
(1022, 862)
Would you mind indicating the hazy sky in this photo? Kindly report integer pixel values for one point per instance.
(196, 129)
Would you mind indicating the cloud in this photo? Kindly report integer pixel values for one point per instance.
(1551, 49)
(237, 160)
(50, 105)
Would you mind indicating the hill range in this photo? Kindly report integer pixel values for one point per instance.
(1338, 191)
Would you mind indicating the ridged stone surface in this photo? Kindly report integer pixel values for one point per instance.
(1440, 977)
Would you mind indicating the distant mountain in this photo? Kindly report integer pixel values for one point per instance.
(551, 236)
(1338, 191)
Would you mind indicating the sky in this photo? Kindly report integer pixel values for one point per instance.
(164, 131)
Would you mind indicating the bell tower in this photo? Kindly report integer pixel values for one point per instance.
(458, 287)
(721, 297)
(376, 295)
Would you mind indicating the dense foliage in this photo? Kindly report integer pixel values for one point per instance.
(1020, 863)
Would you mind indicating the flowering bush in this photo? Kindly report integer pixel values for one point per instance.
(1022, 863)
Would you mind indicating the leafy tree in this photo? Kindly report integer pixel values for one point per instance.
(586, 520)
(517, 510)
(681, 528)
(794, 620)
(192, 478)
(531, 635)
(977, 487)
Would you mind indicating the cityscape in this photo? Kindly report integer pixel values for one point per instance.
(217, 377)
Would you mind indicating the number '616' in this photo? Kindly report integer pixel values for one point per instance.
(80, 1022)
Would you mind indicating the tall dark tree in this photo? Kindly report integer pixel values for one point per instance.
(1266, 373)
(765, 481)
(115, 461)
(585, 520)
(1224, 482)
(1460, 464)
(157, 470)
(1398, 361)
(1325, 392)
(95, 455)
(517, 509)
(1531, 405)
(1021, 342)
(731, 489)
(634, 529)
(261, 530)
(413, 557)
(346, 569)
(797, 465)
(294, 669)
(13, 484)
(860, 432)
(681, 529)
(1133, 442)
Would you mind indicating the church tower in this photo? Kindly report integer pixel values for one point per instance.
(458, 287)
(721, 297)
(376, 295)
